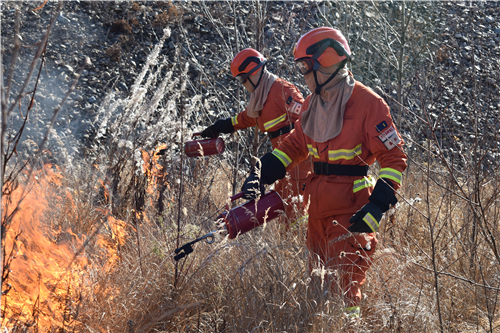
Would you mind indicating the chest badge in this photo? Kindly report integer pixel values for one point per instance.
(295, 108)
(388, 135)
(380, 127)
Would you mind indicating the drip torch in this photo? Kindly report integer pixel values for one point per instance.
(240, 219)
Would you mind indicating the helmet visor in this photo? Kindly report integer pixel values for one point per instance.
(305, 65)
(242, 78)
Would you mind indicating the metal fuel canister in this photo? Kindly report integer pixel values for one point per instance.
(204, 147)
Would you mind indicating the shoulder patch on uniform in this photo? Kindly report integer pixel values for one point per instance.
(381, 126)
(295, 108)
(389, 137)
(289, 100)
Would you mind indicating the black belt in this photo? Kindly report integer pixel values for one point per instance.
(281, 131)
(323, 168)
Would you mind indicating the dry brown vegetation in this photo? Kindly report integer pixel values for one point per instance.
(260, 281)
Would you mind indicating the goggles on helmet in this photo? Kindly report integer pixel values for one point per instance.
(306, 65)
(242, 78)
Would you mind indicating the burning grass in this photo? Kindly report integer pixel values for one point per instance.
(43, 272)
(97, 273)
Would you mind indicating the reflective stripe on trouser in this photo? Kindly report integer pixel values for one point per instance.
(352, 311)
(392, 174)
(346, 259)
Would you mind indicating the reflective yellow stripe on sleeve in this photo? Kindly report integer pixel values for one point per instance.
(371, 222)
(282, 157)
(274, 122)
(346, 154)
(363, 183)
(392, 174)
(313, 151)
(234, 120)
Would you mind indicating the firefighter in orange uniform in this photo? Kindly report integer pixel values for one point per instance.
(345, 127)
(274, 106)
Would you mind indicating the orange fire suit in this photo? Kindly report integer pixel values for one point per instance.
(282, 108)
(333, 199)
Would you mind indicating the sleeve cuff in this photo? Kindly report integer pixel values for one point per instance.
(383, 194)
(272, 169)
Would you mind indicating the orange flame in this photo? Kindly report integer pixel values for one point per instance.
(44, 270)
(151, 166)
(117, 234)
(154, 171)
(47, 269)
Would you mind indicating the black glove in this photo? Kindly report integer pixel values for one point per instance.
(210, 132)
(268, 170)
(252, 187)
(368, 217)
(220, 126)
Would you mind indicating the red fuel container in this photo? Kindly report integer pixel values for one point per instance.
(249, 215)
(204, 147)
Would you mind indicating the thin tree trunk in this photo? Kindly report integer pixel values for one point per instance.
(433, 245)
(400, 65)
(238, 99)
(6, 110)
(3, 127)
(179, 202)
(258, 45)
(134, 205)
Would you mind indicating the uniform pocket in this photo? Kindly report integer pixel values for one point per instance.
(330, 195)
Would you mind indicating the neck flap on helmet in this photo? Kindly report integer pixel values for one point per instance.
(319, 86)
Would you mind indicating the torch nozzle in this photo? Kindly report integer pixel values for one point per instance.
(188, 247)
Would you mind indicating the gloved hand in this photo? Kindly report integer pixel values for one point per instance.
(252, 187)
(267, 170)
(366, 219)
(220, 126)
(210, 132)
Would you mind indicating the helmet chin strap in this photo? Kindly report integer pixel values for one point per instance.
(319, 86)
(260, 77)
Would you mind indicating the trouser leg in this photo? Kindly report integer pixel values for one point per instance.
(345, 258)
